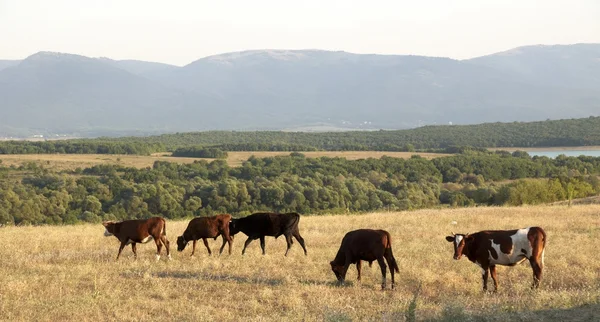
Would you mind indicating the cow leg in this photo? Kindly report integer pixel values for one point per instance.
(484, 275)
(194, 247)
(248, 241)
(206, 244)
(229, 242)
(262, 244)
(288, 240)
(123, 243)
(134, 249)
(300, 240)
(159, 245)
(358, 267)
(383, 271)
(391, 262)
(537, 272)
(165, 242)
(223, 246)
(494, 277)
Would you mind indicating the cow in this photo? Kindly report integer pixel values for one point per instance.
(489, 248)
(206, 227)
(139, 231)
(259, 225)
(368, 245)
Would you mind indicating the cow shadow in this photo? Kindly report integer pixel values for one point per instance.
(332, 283)
(220, 277)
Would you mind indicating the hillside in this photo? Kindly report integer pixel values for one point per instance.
(50, 93)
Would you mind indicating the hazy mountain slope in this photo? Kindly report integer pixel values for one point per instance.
(278, 89)
(388, 91)
(63, 93)
(8, 63)
(573, 66)
(139, 67)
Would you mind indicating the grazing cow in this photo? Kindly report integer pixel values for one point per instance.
(139, 231)
(206, 227)
(260, 225)
(368, 245)
(502, 247)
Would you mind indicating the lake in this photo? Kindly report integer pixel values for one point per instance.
(569, 153)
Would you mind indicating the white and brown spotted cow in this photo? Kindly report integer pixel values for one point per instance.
(502, 247)
(139, 231)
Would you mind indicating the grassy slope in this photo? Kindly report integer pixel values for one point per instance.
(52, 273)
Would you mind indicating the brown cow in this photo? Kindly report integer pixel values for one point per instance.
(139, 231)
(368, 245)
(206, 227)
(502, 247)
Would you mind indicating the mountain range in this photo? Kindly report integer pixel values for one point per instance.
(63, 94)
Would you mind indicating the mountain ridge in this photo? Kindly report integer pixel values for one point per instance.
(285, 89)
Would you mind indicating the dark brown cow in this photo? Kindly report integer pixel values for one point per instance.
(139, 231)
(502, 247)
(368, 245)
(259, 225)
(206, 227)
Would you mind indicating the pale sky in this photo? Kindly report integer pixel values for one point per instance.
(181, 31)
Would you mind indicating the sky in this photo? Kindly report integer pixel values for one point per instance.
(180, 31)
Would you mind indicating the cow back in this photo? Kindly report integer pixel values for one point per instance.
(268, 224)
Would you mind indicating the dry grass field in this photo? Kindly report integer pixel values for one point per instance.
(72, 161)
(70, 273)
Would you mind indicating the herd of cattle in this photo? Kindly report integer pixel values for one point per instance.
(485, 248)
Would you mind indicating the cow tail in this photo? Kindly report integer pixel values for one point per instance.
(164, 228)
(543, 242)
(390, 255)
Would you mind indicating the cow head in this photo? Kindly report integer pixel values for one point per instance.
(109, 228)
(338, 271)
(233, 228)
(181, 243)
(461, 243)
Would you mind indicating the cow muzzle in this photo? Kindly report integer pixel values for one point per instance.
(457, 257)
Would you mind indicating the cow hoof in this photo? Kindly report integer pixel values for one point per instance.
(157, 258)
(170, 257)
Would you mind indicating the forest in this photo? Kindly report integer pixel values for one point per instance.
(33, 194)
(438, 138)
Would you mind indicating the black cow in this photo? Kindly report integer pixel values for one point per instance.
(259, 225)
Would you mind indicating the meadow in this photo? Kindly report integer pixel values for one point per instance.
(55, 273)
(73, 161)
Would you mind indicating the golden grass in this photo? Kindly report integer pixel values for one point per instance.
(73, 161)
(70, 273)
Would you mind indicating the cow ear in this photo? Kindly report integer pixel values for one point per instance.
(450, 238)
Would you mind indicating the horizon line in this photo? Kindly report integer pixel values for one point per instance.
(296, 50)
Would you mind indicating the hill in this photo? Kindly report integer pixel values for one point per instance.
(49, 93)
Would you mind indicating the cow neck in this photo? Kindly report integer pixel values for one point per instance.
(187, 235)
(340, 258)
(471, 252)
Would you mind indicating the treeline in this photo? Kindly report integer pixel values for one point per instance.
(574, 132)
(200, 152)
(289, 183)
(81, 146)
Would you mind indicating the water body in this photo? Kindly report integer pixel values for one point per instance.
(569, 153)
